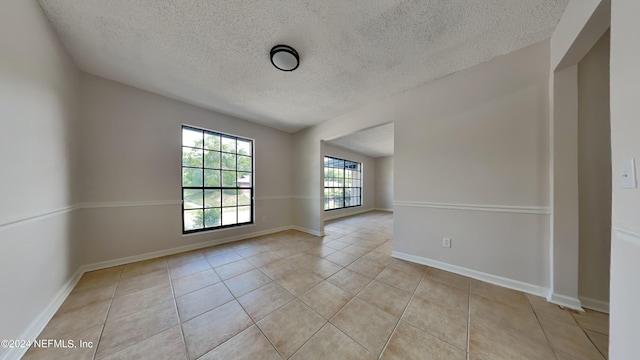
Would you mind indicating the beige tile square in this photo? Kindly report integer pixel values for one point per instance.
(141, 282)
(248, 345)
(224, 258)
(337, 244)
(439, 321)
(251, 250)
(448, 278)
(246, 282)
(366, 324)
(263, 259)
(262, 301)
(216, 250)
(569, 339)
(409, 267)
(410, 343)
(331, 343)
(444, 295)
(349, 281)
(321, 250)
(235, 268)
(326, 299)
(166, 345)
(355, 250)
(90, 335)
(139, 300)
(544, 308)
(379, 258)
(144, 267)
(189, 283)
(499, 293)
(214, 327)
(203, 300)
(66, 323)
(99, 278)
(87, 296)
(366, 268)
(524, 322)
(593, 320)
(341, 258)
(488, 341)
(385, 297)
(124, 332)
(291, 326)
(184, 258)
(193, 267)
(323, 268)
(399, 279)
(297, 282)
(278, 268)
(601, 342)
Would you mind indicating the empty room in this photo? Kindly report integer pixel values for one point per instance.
(319, 179)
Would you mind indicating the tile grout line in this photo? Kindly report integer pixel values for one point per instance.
(384, 348)
(468, 320)
(584, 331)
(104, 324)
(175, 305)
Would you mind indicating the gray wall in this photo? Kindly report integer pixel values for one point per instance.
(38, 87)
(594, 173)
(131, 142)
(384, 183)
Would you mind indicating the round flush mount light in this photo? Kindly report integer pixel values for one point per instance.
(285, 57)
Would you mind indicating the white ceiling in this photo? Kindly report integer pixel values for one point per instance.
(374, 142)
(215, 53)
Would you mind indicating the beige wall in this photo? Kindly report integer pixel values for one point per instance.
(625, 128)
(485, 148)
(594, 174)
(384, 183)
(368, 180)
(131, 156)
(37, 151)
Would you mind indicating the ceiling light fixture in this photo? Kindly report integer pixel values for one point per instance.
(285, 57)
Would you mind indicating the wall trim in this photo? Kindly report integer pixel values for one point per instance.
(10, 223)
(627, 235)
(565, 301)
(478, 275)
(305, 197)
(383, 209)
(274, 197)
(307, 230)
(112, 204)
(593, 304)
(340, 213)
(38, 324)
(540, 210)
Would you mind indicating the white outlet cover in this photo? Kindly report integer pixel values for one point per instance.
(446, 242)
(629, 180)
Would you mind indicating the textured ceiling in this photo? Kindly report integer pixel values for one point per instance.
(215, 53)
(375, 142)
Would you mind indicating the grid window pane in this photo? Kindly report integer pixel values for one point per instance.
(191, 157)
(212, 159)
(342, 183)
(217, 180)
(212, 198)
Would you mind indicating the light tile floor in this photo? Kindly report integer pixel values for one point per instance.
(292, 295)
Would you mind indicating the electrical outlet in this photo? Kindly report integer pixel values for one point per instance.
(446, 242)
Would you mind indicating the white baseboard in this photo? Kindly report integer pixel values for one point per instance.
(593, 304)
(383, 209)
(337, 214)
(38, 324)
(306, 230)
(493, 279)
(177, 250)
(565, 301)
